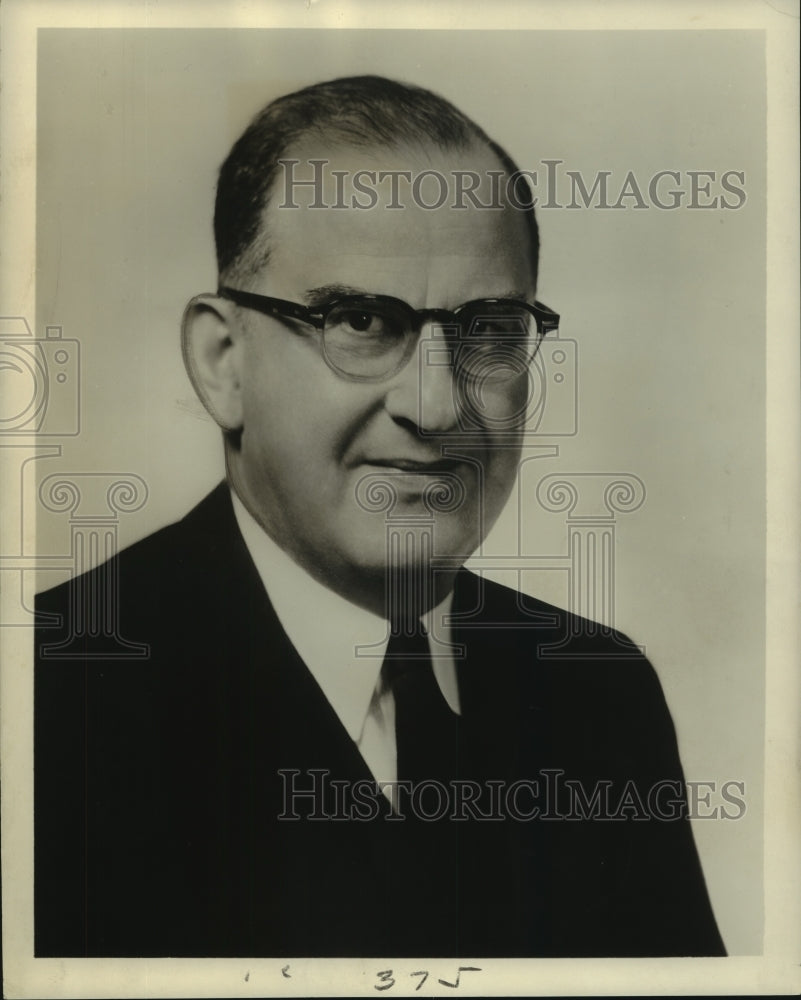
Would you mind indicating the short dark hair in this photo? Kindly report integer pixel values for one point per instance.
(366, 112)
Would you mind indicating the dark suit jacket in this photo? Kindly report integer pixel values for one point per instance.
(158, 783)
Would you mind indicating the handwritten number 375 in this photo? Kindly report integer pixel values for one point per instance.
(387, 980)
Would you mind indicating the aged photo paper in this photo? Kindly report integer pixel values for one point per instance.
(658, 485)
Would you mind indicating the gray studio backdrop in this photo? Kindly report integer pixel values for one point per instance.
(662, 385)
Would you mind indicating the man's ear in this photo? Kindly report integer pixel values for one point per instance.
(211, 356)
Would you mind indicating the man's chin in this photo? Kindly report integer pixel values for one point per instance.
(403, 552)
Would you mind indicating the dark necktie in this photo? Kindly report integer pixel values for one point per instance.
(426, 729)
(427, 855)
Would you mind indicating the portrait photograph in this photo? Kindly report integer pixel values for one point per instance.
(400, 480)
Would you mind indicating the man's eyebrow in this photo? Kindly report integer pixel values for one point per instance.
(326, 293)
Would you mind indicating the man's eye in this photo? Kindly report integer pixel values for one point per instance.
(349, 321)
(514, 327)
(363, 322)
(491, 326)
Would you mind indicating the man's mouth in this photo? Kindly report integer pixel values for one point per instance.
(426, 468)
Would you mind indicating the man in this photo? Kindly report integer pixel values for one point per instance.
(341, 742)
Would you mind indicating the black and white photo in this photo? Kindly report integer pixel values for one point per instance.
(389, 511)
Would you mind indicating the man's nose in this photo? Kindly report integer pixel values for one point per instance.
(423, 392)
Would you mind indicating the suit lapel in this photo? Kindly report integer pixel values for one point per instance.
(298, 728)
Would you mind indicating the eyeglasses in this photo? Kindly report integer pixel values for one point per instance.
(369, 338)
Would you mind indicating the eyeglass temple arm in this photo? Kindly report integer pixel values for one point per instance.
(270, 306)
(547, 317)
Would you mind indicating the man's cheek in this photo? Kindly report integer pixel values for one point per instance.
(499, 410)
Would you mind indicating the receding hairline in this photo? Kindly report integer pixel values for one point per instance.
(366, 112)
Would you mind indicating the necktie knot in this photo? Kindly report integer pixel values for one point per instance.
(408, 652)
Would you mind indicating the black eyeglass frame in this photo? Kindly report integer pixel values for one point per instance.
(546, 319)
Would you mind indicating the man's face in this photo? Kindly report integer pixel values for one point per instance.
(313, 442)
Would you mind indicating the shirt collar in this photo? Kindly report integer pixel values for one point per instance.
(342, 644)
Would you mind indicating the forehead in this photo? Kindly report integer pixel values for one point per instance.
(399, 245)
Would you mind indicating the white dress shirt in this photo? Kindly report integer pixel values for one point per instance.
(343, 646)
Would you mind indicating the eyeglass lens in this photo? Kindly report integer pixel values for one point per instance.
(495, 341)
